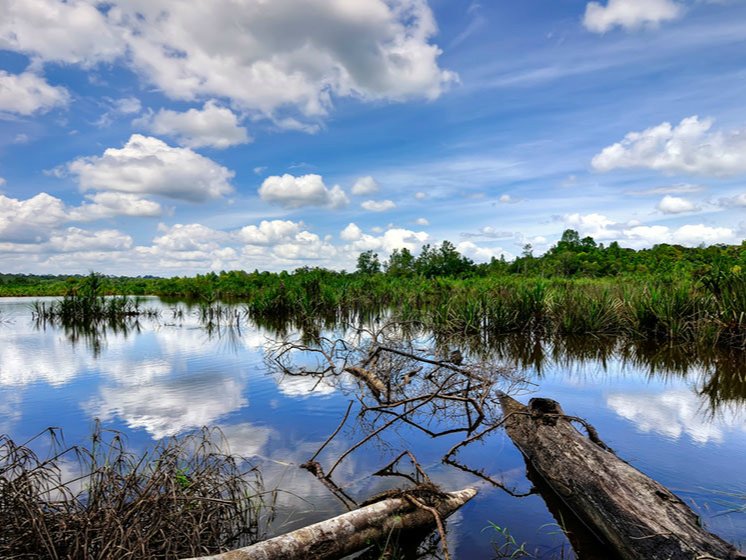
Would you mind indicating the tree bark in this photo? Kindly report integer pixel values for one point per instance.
(637, 516)
(342, 535)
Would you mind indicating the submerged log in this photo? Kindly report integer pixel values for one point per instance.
(350, 532)
(637, 516)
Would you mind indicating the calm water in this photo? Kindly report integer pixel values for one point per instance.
(679, 418)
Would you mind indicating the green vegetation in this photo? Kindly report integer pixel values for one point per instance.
(668, 293)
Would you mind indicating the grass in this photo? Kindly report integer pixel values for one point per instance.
(185, 496)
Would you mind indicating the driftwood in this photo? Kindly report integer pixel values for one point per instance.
(633, 514)
(350, 532)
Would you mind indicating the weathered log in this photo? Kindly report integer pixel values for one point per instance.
(347, 533)
(637, 516)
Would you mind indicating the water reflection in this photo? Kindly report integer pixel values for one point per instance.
(163, 376)
(170, 406)
(675, 413)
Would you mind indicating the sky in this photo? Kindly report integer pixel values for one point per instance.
(175, 137)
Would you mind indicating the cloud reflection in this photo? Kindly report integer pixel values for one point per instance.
(171, 406)
(673, 414)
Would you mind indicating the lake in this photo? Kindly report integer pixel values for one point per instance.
(677, 416)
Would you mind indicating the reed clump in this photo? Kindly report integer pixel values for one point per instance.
(185, 496)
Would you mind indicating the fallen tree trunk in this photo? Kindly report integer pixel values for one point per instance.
(342, 535)
(638, 517)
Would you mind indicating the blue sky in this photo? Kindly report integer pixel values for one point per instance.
(176, 137)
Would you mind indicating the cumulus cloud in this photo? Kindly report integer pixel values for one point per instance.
(675, 205)
(268, 232)
(351, 232)
(364, 186)
(147, 165)
(378, 206)
(629, 14)
(261, 55)
(422, 222)
(688, 148)
(306, 190)
(31, 220)
(637, 235)
(189, 237)
(27, 93)
(482, 254)
(393, 238)
(75, 239)
(111, 204)
(420, 195)
(213, 126)
(305, 246)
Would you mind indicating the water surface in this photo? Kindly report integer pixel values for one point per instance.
(676, 416)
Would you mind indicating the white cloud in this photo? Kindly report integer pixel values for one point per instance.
(636, 235)
(127, 105)
(213, 126)
(269, 232)
(305, 246)
(118, 107)
(351, 233)
(420, 195)
(507, 199)
(75, 239)
(261, 55)
(688, 148)
(393, 238)
(72, 32)
(378, 206)
(629, 14)
(190, 237)
(146, 165)
(364, 185)
(28, 93)
(690, 235)
(31, 220)
(697, 234)
(594, 224)
(681, 188)
(111, 204)
(422, 222)
(482, 254)
(675, 205)
(36, 219)
(306, 190)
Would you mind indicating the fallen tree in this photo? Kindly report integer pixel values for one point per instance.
(355, 530)
(633, 514)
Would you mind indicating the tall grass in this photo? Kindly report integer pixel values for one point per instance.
(185, 496)
(709, 311)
